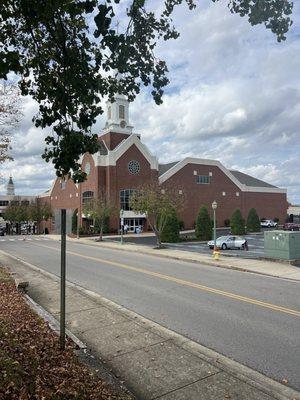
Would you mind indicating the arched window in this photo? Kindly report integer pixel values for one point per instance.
(86, 196)
(122, 112)
(109, 112)
(125, 199)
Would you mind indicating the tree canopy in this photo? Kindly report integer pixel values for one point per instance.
(237, 223)
(99, 209)
(10, 114)
(253, 222)
(66, 53)
(203, 227)
(158, 204)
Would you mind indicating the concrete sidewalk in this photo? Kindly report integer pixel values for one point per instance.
(271, 268)
(154, 362)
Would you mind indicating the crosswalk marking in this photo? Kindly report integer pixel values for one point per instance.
(23, 239)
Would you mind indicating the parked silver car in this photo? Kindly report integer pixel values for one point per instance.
(268, 223)
(229, 242)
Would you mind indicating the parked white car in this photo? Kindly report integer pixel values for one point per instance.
(268, 223)
(229, 242)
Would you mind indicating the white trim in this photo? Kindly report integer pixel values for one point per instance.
(199, 161)
(131, 214)
(112, 157)
(264, 189)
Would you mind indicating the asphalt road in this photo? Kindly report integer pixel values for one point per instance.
(251, 318)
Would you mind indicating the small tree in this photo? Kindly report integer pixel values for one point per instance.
(171, 230)
(158, 204)
(99, 210)
(203, 228)
(253, 222)
(237, 223)
(40, 212)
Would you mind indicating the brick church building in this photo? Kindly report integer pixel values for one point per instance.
(123, 163)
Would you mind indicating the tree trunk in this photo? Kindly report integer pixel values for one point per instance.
(158, 239)
(101, 233)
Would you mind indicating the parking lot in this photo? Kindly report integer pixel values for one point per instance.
(255, 244)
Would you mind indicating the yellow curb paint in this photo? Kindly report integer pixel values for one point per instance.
(249, 300)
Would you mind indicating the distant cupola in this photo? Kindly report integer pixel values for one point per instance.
(10, 187)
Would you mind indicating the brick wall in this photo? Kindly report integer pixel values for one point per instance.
(269, 205)
(112, 139)
(120, 178)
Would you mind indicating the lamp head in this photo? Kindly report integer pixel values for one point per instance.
(214, 205)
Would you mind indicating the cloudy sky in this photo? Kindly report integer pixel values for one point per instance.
(234, 96)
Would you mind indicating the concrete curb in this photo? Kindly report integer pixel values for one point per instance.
(53, 323)
(255, 379)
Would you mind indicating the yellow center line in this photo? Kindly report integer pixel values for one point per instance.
(230, 295)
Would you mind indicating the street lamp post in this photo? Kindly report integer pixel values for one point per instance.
(122, 223)
(214, 207)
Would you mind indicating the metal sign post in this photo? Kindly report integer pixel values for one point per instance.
(63, 282)
(122, 224)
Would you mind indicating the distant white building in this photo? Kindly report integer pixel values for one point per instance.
(11, 198)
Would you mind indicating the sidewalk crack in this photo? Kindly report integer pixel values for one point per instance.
(184, 386)
(138, 349)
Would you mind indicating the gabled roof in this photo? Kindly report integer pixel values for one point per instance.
(248, 180)
(162, 168)
(113, 155)
(244, 182)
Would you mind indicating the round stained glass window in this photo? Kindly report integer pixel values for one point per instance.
(134, 167)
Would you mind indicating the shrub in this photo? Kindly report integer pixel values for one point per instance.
(82, 231)
(276, 219)
(171, 230)
(203, 228)
(181, 225)
(237, 223)
(253, 222)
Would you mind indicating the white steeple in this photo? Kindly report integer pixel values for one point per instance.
(118, 115)
(10, 189)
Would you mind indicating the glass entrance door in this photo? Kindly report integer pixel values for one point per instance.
(134, 223)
